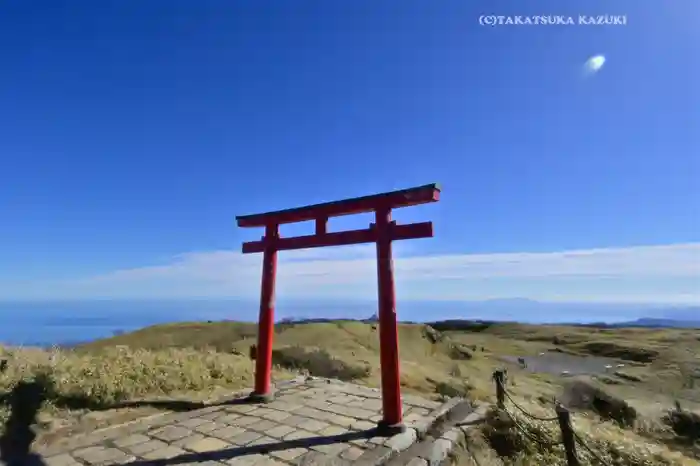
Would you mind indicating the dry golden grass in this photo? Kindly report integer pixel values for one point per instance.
(196, 361)
(120, 374)
(90, 390)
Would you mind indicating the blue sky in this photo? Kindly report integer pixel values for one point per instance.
(133, 132)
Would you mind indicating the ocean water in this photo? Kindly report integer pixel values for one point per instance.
(46, 323)
(49, 323)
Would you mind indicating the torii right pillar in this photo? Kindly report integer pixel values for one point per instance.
(388, 324)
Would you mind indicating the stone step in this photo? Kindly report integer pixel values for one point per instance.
(442, 438)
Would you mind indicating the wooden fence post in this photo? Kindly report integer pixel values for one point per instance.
(567, 435)
(498, 377)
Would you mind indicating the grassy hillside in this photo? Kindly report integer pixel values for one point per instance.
(98, 383)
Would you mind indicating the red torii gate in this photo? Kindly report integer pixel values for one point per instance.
(382, 232)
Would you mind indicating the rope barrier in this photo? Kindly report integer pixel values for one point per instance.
(530, 435)
(576, 438)
(531, 416)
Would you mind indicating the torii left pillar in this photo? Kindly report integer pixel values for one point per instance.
(382, 232)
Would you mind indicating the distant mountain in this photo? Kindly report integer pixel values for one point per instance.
(647, 322)
(573, 313)
(660, 323)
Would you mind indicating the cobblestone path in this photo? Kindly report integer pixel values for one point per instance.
(309, 422)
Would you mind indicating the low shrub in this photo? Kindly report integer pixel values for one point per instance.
(615, 350)
(582, 394)
(452, 388)
(318, 363)
(432, 335)
(685, 424)
(460, 352)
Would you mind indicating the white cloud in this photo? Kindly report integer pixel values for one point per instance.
(669, 273)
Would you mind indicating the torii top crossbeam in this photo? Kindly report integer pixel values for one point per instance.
(322, 212)
(356, 205)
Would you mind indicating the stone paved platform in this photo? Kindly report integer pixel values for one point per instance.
(309, 422)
